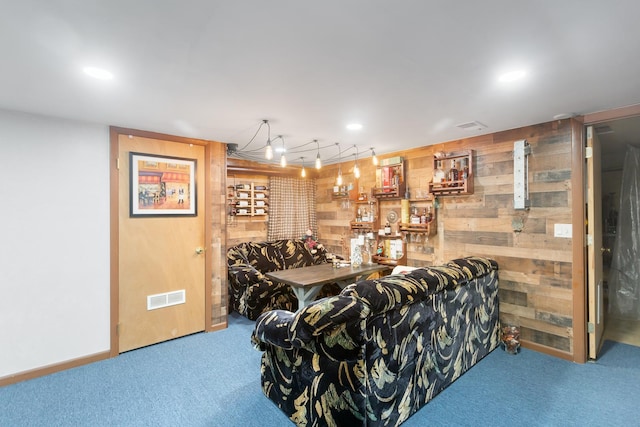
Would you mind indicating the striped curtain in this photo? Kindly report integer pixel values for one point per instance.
(292, 208)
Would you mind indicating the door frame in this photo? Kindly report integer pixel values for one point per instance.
(580, 298)
(114, 296)
(595, 318)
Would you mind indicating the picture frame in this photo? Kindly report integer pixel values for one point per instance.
(162, 186)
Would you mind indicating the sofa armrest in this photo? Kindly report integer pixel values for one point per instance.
(272, 328)
(332, 327)
(244, 275)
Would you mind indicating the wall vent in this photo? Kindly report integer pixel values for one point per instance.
(475, 125)
(166, 299)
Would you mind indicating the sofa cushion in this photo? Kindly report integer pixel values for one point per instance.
(295, 254)
(263, 256)
(393, 291)
(474, 266)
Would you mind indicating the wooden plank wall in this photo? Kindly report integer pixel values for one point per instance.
(535, 266)
(218, 237)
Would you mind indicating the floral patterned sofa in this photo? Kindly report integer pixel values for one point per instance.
(250, 291)
(381, 349)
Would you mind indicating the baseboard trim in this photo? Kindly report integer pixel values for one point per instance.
(50, 369)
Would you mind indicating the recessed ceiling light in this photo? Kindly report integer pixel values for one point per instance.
(512, 76)
(354, 126)
(98, 73)
(562, 116)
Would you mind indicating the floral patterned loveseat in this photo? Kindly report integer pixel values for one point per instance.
(381, 349)
(250, 291)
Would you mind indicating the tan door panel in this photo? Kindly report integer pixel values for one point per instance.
(160, 256)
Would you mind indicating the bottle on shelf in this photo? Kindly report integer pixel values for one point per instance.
(429, 215)
(423, 217)
(415, 218)
(465, 169)
(453, 171)
(387, 229)
(438, 173)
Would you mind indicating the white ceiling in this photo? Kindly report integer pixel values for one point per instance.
(409, 71)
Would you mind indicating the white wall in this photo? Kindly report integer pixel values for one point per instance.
(54, 255)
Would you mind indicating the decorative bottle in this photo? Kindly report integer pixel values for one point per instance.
(356, 256)
(453, 172)
(415, 218)
(438, 173)
(465, 169)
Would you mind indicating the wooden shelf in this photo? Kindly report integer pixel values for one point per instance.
(255, 196)
(454, 187)
(429, 228)
(390, 179)
(386, 258)
(370, 225)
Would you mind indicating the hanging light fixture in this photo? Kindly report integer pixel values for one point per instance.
(303, 172)
(318, 161)
(283, 159)
(339, 178)
(268, 153)
(356, 170)
(374, 158)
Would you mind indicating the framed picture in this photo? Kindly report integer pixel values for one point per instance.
(161, 186)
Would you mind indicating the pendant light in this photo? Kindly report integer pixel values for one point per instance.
(268, 153)
(339, 178)
(318, 161)
(356, 170)
(374, 158)
(303, 172)
(283, 159)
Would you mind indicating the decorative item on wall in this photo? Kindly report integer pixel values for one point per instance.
(161, 186)
(521, 151)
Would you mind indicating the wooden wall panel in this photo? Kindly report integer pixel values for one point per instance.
(217, 173)
(535, 267)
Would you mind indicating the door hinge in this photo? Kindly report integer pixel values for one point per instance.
(588, 152)
(591, 328)
(118, 163)
(589, 239)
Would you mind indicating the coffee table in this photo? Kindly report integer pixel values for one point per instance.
(306, 282)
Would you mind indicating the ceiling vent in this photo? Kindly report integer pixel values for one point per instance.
(475, 125)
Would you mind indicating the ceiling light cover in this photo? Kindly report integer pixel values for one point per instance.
(512, 76)
(98, 73)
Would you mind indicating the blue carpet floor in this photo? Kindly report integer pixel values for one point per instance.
(213, 379)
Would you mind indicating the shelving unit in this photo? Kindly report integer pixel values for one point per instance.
(390, 246)
(248, 200)
(342, 192)
(390, 179)
(372, 215)
(461, 186)
(429, 228)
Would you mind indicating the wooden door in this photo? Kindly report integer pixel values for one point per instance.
(161, 259)
(594, 244)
